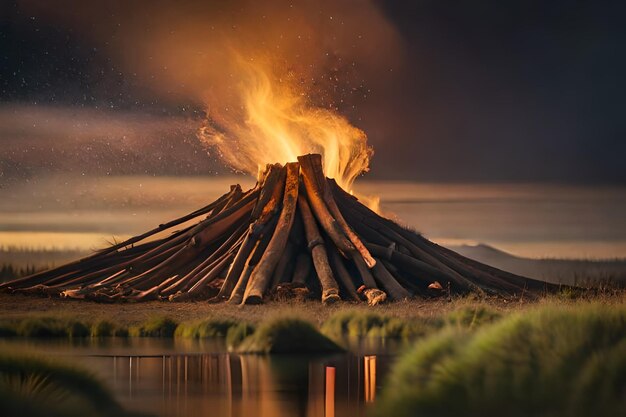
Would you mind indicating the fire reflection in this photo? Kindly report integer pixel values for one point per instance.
(329, 407)
(231, 385)
(369, 377)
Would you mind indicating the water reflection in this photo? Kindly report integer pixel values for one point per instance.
(184, 377)
(369, 372)
(228, 385)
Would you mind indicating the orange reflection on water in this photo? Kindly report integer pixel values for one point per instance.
(228, 385)
(330, 392)
(369, 376)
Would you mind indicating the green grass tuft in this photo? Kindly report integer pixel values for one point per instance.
(205, 328)
(360, 323)
(472, 316)
(51, 327)
(287, 335)
(105, 328)
(236, 334)
(156, 327)
(552, 361)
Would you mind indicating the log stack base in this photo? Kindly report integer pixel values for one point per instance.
(296, 234)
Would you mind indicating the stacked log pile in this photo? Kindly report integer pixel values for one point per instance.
(296, 233)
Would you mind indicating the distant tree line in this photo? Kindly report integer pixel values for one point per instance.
(10, 271)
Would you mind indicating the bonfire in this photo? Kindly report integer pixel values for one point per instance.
(296, 233)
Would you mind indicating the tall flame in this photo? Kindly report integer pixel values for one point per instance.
(274, 122)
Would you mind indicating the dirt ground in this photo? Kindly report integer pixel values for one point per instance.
(14, 305)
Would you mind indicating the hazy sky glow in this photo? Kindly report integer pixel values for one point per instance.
(446, 90)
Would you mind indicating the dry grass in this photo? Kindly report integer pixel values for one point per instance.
(133, 314)
(554, 361)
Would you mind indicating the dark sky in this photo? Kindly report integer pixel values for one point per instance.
(481, 91)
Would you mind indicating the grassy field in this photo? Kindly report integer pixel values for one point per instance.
(556, 356)
(565, 360)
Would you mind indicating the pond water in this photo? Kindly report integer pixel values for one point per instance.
(165, 377)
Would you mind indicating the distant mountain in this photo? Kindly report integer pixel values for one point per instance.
(565, 271)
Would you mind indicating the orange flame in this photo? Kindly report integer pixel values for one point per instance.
(275, 123)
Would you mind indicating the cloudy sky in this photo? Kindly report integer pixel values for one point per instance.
(446, 90)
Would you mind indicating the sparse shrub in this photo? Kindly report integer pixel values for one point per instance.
(205, 328)
(121, 331)
(102, 328)
(77, 329)
(472, 316)
(40, 327)
(156, 327)
(236, 334)
(287, 335)
(358, 323)
(574, 293)
(51, 327)
(105, 328)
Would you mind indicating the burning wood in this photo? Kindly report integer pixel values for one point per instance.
(295, 231)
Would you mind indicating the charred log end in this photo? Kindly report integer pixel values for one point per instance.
(179, 297)
(330, 296)
(374, 296)
(253, 299)
(435, 286)
(75, 293)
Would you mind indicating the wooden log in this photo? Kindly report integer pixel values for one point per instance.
(284, 268)
(404, 280)
(344, 278)
(61, 274)
(177, 257)
(318, 207)
(315, 244)
(271, 193)
(302, 269)
(266, 207)
(90, 281)
(366, 231)
(189, 280)
(85, 278)
(428, 272)
(392, 231)
(101, 255)
(153, 293)
(286, 265)
(190, 251)
(209, 274)
(364, 271)
(389, 283)
(312, 171)
(315, 196)
(519, 281)
(237, 295)
(236, 195)
(468, 273)
(199, 234)
(262, 274)
(345, 247)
